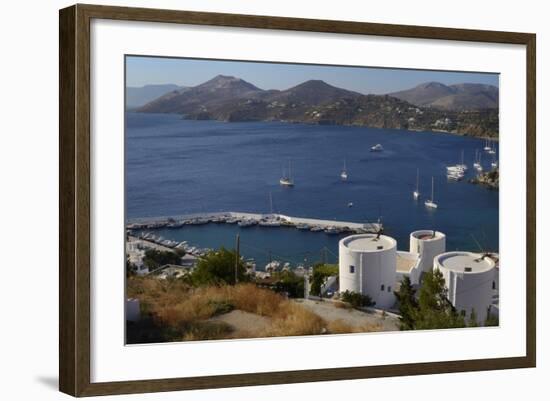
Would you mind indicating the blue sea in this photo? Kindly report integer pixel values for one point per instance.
(175, 167)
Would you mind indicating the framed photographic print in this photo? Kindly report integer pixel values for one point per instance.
(250, 200)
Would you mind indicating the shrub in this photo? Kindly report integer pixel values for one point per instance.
(154, 258)
(356, 299)
(217, 268)
(320, 273)
(290, 283)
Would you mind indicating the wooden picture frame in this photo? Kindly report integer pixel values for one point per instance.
(74, 203)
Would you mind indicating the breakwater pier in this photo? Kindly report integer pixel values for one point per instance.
(244, 219)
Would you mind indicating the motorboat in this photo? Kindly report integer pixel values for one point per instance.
(376, 148)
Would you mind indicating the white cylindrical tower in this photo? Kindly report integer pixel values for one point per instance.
(427, 244)
(367, 265)
(469, 278)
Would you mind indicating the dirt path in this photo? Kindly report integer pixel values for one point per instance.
(244, 322)
(353, 317)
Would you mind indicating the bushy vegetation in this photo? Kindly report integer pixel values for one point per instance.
(320, 274)
(131, 269)
(432, 309)
(154, 258)
(356, 299)
(218, 268)
(290, 284)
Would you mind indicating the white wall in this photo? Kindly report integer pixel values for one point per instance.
(28, 165)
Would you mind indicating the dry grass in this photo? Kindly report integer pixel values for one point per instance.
(342, 305)
(292, 319)
(186, 310)
(338, 326)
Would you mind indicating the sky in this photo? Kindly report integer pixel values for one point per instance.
(190, 72)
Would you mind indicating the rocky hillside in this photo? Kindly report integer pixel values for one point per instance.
(316, 102)
(451, 97)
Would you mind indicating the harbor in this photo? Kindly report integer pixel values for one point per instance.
(249, 219)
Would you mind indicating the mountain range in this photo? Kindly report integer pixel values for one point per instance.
(451, 97)
(426, 107)
(140, 96)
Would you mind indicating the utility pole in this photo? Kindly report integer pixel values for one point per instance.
(237, 245)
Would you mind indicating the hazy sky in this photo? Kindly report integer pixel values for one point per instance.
(189, 72)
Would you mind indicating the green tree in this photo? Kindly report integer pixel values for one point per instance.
(131, 268)
(435, 311)
(408, 305)
(320, 273)
(218, 267)
(154, 258)
(290, 283)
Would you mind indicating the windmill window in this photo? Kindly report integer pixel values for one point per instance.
(494, 285)
(389, 288)
(468, 269)
(382, 287)
(352, 269)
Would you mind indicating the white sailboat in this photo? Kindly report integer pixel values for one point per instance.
(286, 180)
(477, 164)
(492, 149)
(487, 147)
(344, 173)
(416, 193)
(463, 166)
(430, 202)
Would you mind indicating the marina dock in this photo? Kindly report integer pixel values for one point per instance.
(244, 219)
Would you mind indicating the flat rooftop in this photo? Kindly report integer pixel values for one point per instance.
(465, 262)
(368, 243)
(405, 262)
(427, 235)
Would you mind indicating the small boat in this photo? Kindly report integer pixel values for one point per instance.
(344, 173)
(456, 170)
(487, 147)
(350, 204)
(247, 223)
(269, 223)
(286, 180)
(272, 266)
(430, 202)
(477, 162)
(376, 148)
(303, 226)
(455, 176)
(462, 165)
(316, 229)
(416, 192)
(332, 230)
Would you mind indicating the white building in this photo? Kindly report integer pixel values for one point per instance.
(427, 244)
(367, 265)
(470, 279)
(424, 245)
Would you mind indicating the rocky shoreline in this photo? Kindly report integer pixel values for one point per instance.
(489, 179)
